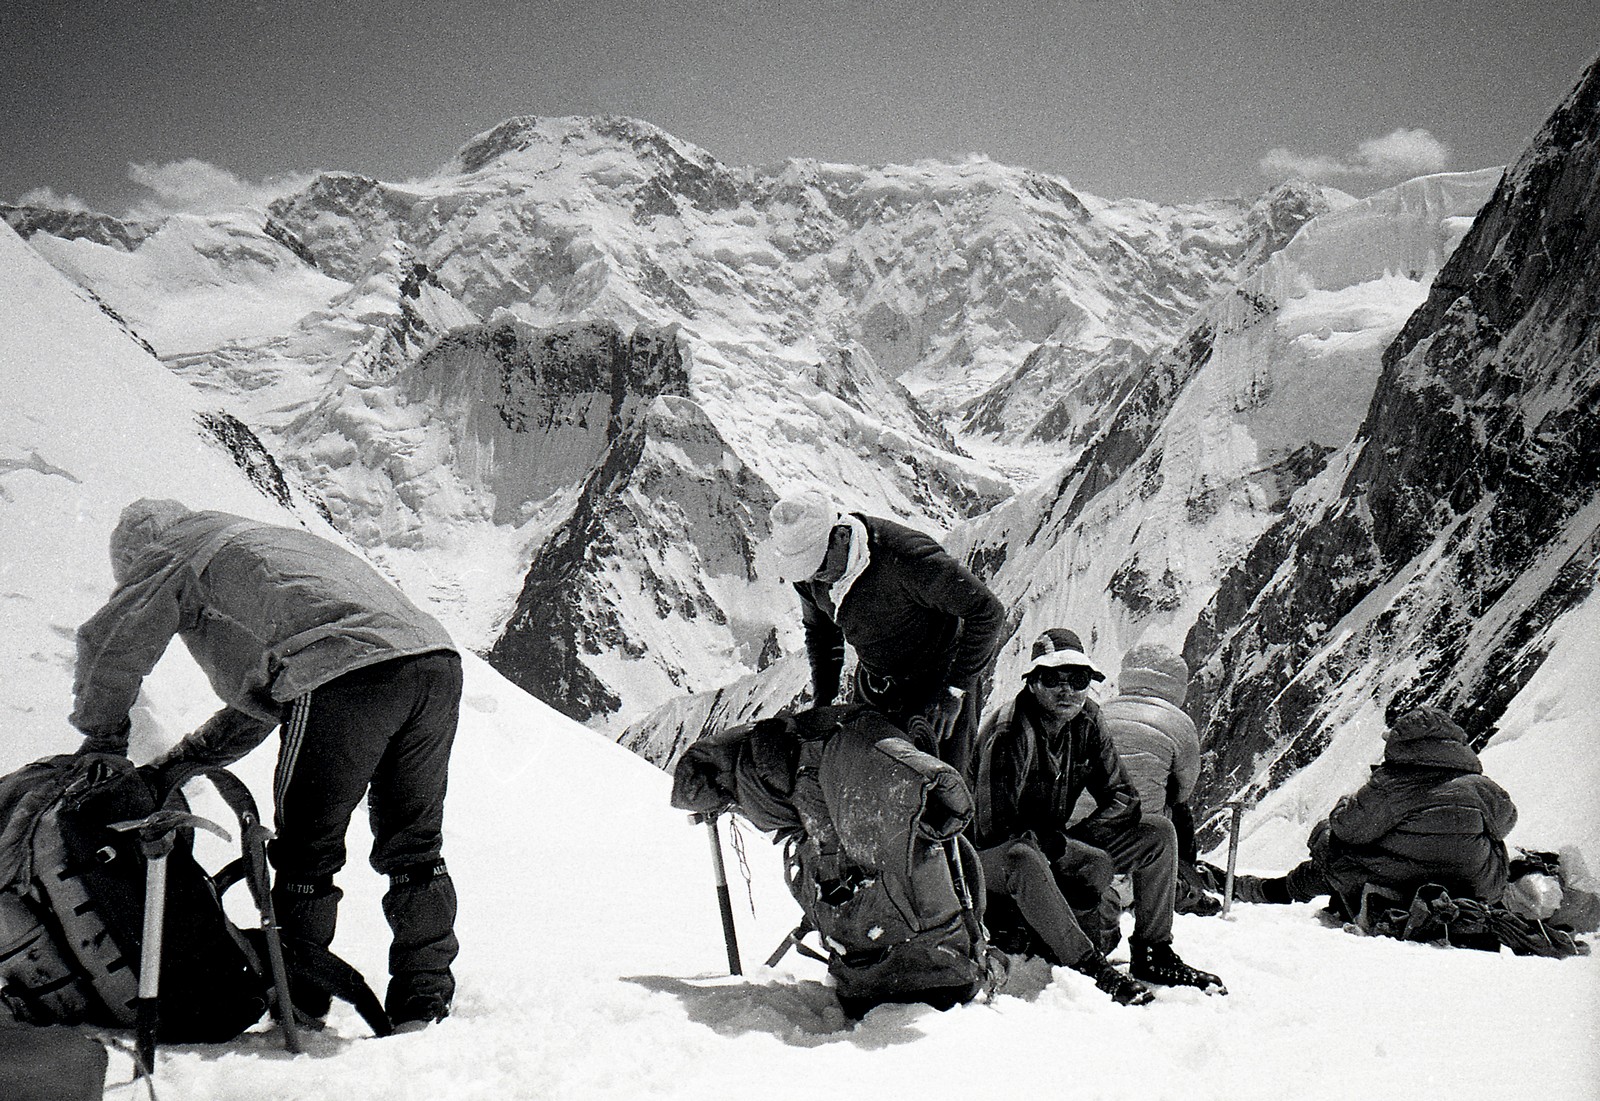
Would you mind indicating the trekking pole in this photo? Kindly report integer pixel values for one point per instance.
(158, 834)
(1237, 809)
(724, 900)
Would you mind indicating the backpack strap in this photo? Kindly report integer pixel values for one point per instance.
(311, 962)
(332, 975)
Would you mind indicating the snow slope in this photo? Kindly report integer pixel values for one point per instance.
(592, 958)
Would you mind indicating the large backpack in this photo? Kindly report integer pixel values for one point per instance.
(873, 854)
(72, 903)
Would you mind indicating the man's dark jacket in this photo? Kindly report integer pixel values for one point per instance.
(915, 615)
(1020, 790)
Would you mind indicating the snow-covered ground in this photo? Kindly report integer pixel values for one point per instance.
(592, 962)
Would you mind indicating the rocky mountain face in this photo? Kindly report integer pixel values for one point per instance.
(1429, 562)
(73, 225)
(1067, 388)
(1190, 457)
(1216, 438)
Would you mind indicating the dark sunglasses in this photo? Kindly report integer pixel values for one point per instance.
(1075, 677)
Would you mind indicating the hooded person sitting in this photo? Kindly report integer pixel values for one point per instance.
(922, 625)
(1426, 815)
(1160, 749)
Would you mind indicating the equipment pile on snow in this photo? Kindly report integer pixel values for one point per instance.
(871, 832)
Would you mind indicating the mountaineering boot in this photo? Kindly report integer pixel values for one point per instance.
(1123, 989)
(421, 907)
(1159, 964)
(307, 909)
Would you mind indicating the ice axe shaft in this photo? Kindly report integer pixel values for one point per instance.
(256, 837)
(158, 833)
(1233, 854)
(147, 1007)
(724, 900)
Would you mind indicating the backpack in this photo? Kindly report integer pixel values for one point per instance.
(72, 897)
(872, 849)
(1433, 915)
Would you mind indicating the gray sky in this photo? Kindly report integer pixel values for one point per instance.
(125, 103)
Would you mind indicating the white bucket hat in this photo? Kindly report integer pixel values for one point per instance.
(1057, 647)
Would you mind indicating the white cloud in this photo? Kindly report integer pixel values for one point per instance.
(194, 186)
(49, 197)
(1400, 153)
(1403, 153)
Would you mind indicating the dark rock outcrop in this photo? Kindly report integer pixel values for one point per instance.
(1467, 521)
(72, 225)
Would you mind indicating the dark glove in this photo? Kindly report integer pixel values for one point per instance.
(113, 742)
(943, 715)
(158, 778)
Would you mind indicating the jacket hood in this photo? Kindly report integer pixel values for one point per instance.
(141, 525)
(1154, 670)
(1426, 736)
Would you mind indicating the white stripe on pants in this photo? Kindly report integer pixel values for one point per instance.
(294, 735)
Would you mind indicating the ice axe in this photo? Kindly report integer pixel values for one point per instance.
(158, 833)
(1237, 811)
(252, 867)
(724, 900)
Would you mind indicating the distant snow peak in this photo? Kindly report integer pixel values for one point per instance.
(1278, 214)
(546, 138)
(73, 225)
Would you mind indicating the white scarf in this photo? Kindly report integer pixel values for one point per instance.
(855, 563)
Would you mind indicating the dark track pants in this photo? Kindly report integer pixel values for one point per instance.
(1148, 852)
(1019, 871)
(383, 732)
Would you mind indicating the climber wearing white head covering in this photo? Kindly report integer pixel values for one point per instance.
(922, 625)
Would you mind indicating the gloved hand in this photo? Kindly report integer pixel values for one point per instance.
(943, 715)
(113, 742)
(97, 769)
(157, 777)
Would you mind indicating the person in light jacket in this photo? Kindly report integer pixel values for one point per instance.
(922, 625)
(295, 632)
(1160, 749)
(1427, 814)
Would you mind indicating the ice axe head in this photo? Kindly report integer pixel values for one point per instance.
(157, 830)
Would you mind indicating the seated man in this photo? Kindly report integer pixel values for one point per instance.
(1160, 748)
(1426, 815)
(1036, 754)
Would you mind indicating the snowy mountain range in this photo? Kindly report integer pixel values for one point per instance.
(593, 965)
(555, 387)
(558, 385)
